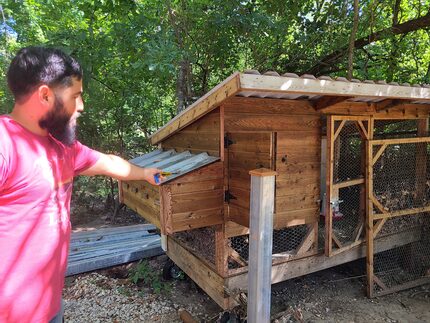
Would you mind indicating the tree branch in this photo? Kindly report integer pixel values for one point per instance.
(337, 55)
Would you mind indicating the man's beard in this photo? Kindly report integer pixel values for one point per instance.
(59, 124)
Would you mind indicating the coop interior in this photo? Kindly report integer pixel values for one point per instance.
(332, 170)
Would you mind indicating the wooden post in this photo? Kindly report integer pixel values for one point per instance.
(369, 218)
(260, 244)
(421, 161)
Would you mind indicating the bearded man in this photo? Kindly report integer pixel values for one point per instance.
(39, 157)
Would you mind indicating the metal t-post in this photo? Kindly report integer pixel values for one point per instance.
(260, 245)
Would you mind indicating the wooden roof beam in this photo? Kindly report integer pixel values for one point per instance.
(390, 104)
(328, 101)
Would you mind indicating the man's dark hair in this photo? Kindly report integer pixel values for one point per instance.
(34, 66)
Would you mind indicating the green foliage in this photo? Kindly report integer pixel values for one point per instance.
(131, 51)
(144, 273)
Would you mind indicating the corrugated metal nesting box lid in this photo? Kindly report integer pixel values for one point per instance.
(171, 161)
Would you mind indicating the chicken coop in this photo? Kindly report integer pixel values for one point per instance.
(352, 181)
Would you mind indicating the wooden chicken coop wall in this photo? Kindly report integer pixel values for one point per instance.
(280, 134)
(143, 198)
(202, 135)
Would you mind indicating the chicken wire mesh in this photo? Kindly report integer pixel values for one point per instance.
(401, 176)
(347, 200)
(285, 241)
(200, 241)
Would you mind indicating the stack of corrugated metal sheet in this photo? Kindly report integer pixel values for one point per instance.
(96, 249)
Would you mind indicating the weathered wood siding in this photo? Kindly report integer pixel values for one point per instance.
(194, 200)
(294, 150)
(144, 199)
(201, 136)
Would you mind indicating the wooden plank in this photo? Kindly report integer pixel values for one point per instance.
(142, 210)
(296, 202)
(369, 217)
(263, 122)
(329, 185)
(398, 141)
(248, 160)
(266, 83)
(308, 241)
(296, 217)
(165, 209)
(339, 129)
(286, 140)
(222, 250)
(292, 155)
(199, 108)
(192, 142)
(378, 226)
(402, 213)
(194, 201)
(327, 101)
(379, 153)
(304, 266)
(250, 105)
(233, 229)
(299, 168)
(409, 111)
(239, 215)
(284, 188)
(205, 277)
(348, 183)
(421, 160)
(143, 198)
(196, 219)
(242, 142)
(188, 187)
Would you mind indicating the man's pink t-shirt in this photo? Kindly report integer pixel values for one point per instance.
(36, 178)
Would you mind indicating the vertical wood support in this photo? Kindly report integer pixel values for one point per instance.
(421, 160)
(369, 218)
(221, 252)
(329, 185)
(260, 244)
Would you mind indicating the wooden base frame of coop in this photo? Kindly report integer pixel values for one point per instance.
(225, 290)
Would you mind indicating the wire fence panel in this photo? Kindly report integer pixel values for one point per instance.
(398, 206)
(346, 192)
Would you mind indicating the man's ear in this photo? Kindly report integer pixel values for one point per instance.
(46, 95)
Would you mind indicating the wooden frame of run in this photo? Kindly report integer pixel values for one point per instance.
(375, 221)
(332, 189)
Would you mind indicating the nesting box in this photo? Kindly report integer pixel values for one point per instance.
(328, 140)
(190, 198)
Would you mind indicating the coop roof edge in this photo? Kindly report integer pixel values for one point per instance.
(178, 163)
(272, 85)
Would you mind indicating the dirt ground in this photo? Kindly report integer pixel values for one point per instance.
(333, 295)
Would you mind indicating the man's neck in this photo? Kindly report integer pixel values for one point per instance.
(22, 114)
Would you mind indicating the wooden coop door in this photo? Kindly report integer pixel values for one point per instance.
(245, 152)
(345, 198)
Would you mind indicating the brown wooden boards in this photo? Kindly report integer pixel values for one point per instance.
(196, 199)
(143, 198)
(201, 136)
(245, 151)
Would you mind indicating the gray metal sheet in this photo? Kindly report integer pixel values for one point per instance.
(171, 161)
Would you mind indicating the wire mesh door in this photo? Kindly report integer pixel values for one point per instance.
(398, 223)
(344, 210)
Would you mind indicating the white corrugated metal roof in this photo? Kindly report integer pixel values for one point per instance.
(171, 161)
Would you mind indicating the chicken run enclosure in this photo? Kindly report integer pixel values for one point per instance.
(352, 164)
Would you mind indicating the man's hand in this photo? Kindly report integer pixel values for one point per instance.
(151, 174)
(122, 170)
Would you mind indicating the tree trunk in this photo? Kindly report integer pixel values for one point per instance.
(352, 41)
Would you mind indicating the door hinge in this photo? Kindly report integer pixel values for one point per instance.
(228, 196)
(227, 141)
